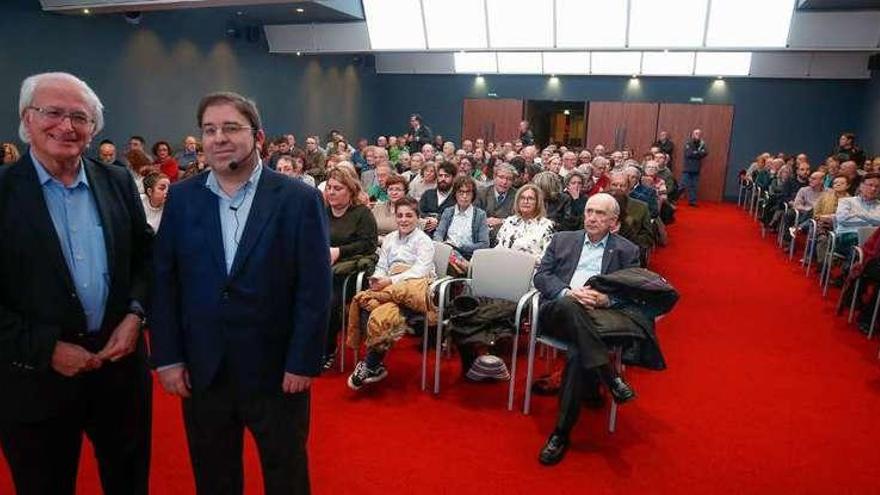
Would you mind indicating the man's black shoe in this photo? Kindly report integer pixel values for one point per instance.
(621, 391)
(554, 450)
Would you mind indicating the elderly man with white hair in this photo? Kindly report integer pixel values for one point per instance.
(569, 262)
(73, 275)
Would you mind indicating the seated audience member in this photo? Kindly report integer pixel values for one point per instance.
(575, 189)
(572, 310)
(652, 180)
(424, 180)
(197, 167)
(395, 149)
(352, 242)
(555, 203)
(832, 169)
(623, 228)
(384, 211)
(107, 153)
(527, 229)
(463, 226)
(429, 152)
(187, 156)
(292, 166)
(569, 163)
(466, 167)
(804, 201)
(414, 165)
(825, 210)
(164, 161)
(497, 201)
(140, 144)
(448, 150)
(851, 171)
(553, 164)
(775, 195)
(600, 176)
(639, 191)
(156, 187)
(761, 175)
(584, 158)
(434, 201)
(403, 273)
(359, 158)
(855, 212)
(403, 165)
(367, 169)
(139, 166)
(315, 160)
(378, 192)
(637, 215)
(281, 147)
(875, 165)
(10, 154)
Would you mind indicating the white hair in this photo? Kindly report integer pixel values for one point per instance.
(613, 205)
(30, 85)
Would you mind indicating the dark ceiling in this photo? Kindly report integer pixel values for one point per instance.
(839, 4)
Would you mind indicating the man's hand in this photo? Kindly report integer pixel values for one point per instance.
(334, 255)
(295, 383)
(494, 222)
(589, 298)
(123, 340)
(431, 223)
(175, 381)
(71, 359)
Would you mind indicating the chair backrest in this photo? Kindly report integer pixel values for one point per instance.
(441, 257)
(865, 233)
(501, 273)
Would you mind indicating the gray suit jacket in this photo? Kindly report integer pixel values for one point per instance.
(487, 202)
(562, 255)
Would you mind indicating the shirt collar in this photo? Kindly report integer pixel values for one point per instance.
(601, 244)
(44, 176)
(466, 212)
(212, 184)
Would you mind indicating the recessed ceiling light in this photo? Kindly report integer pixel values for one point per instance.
(239, 13)
(300, 10)
(87, 11)
(298, 54)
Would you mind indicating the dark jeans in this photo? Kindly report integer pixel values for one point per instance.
(215, 420)
(690, 181)
(113, 408)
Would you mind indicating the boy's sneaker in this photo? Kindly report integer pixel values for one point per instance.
(363, 375)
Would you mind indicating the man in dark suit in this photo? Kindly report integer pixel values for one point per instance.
(419, 134)
(571, 259)
(497, 201)
(637, 215)
(434, 201)
(73, 279)
(240, 306)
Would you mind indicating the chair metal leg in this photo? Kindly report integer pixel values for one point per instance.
(439, 338)
(425, 354)
(530, 363)
(852, 304)
(518, 325)
(618, 368)
(340, 349)
(874, 315)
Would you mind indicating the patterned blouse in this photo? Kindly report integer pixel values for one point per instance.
(529, 236)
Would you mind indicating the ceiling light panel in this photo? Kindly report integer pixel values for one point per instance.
(616, 63)
(667, 23)
(455, 24)
(519, 62)
(520, 24)
(567, 63)
(723, 64)
(386, 30)
(476, 63)
(591, 23)
(668, 63)
(749, 23)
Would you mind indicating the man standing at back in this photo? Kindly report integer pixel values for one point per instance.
(73, 277)
(242, 271)
(694, 152)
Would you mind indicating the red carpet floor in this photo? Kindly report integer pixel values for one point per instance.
(766, 392)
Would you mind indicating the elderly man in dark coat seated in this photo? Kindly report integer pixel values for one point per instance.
(584, 309)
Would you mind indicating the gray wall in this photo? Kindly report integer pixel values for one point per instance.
(151, 77)
(870, 140)
(769, 114)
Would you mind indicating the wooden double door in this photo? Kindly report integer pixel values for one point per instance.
(617, 125)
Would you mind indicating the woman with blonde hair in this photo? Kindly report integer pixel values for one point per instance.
(353, 240)
(527, 229)
(10, 154)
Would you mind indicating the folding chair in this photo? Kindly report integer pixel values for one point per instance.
(535, 338)
(863, 234)
(496, 273)
(858, 257)
(359, 285)
(441, 266)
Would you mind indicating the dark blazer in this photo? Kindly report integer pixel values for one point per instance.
(269, 314)
(638, 218)
(562, 255)
(38, 301)
(648, 196)
(694, 152)
(428, 203)
(487, 201)
(479, 231)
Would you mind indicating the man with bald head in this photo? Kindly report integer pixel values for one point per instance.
(562, 277)
(694, 151)
(72, 356)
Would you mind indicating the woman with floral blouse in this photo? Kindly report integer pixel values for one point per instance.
(527, 230)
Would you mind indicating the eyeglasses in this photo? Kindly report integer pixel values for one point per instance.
(464, 191)
(528, 198)
(56, 115)
(227, 129)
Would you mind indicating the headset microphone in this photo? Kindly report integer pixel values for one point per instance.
(233, 165)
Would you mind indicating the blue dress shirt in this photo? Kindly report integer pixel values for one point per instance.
(590, 262)
(234, 211)
(77, 222)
